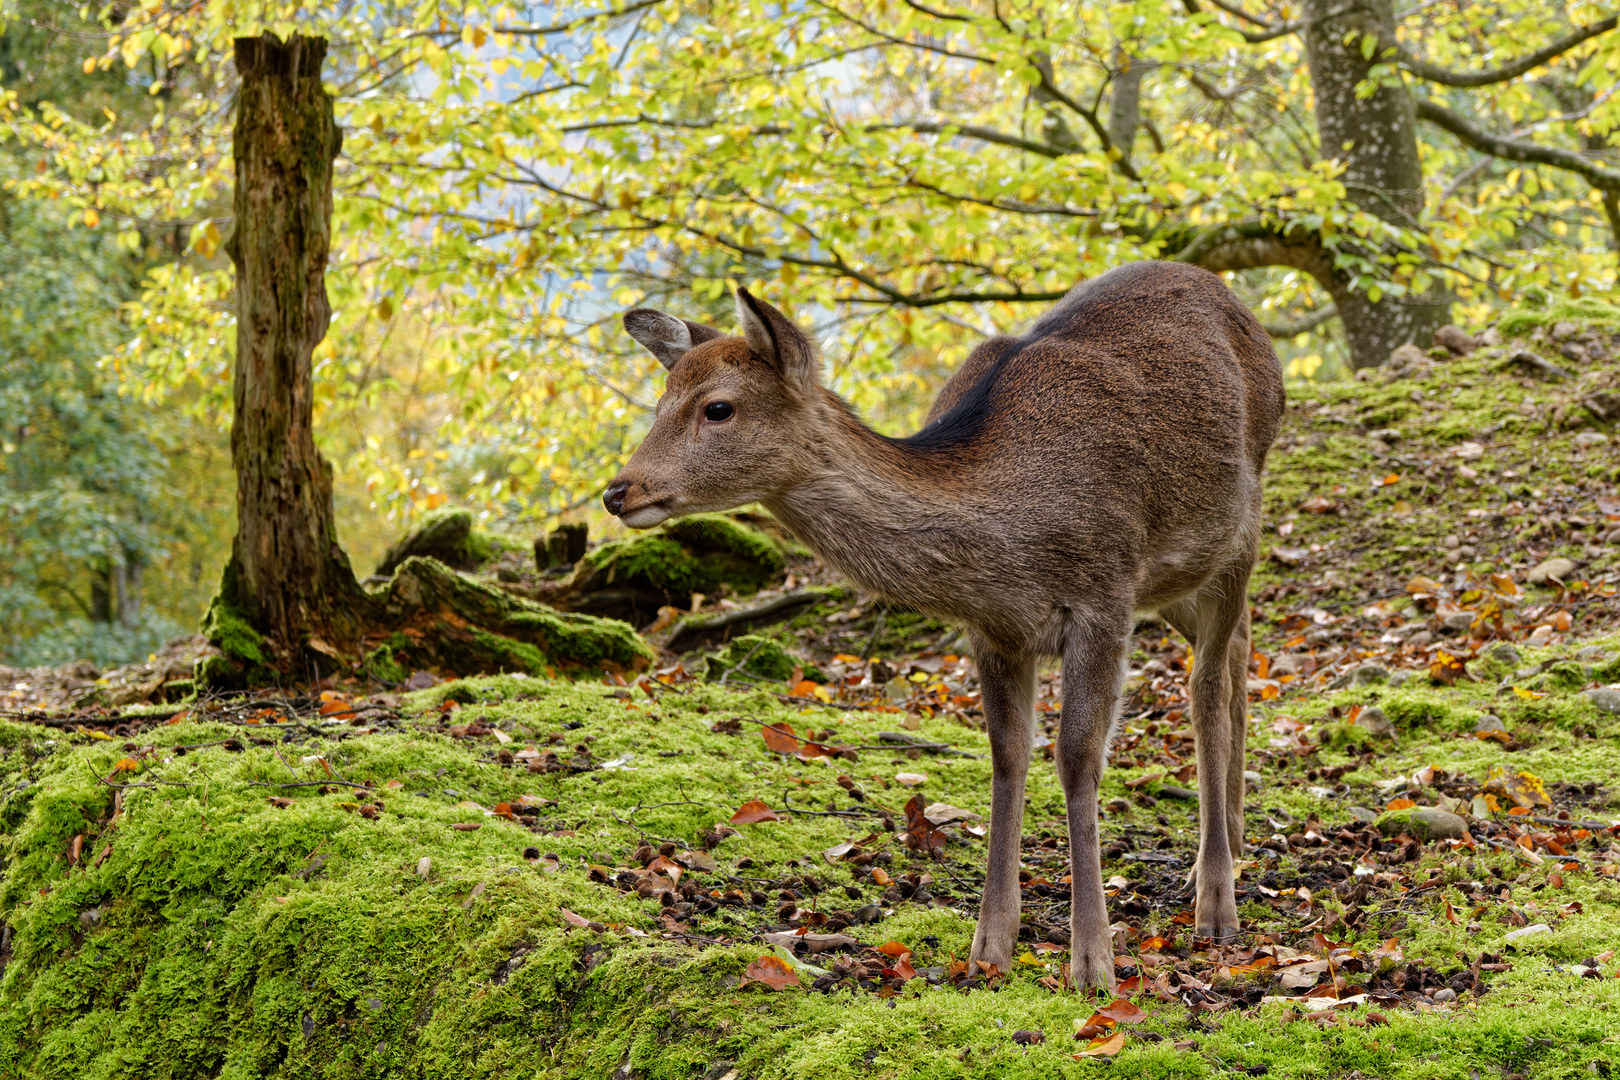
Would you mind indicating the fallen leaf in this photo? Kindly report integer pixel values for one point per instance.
(467, 826)
(780, 738)
(1103, 1047)
(911, 779)
(895, 949)
(770, 971)
(1121, 1011)
(753, 811)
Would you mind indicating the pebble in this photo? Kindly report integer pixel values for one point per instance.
(1363, 815)
(1588, 439)
(1503, 653)
(1489, 723)
(1456, 340)
(1399, 678)
(1252, 780)
(1375, 723)
(1604, 699)
(1425, 823)
(1386, 434)
(1469, 451)
(1555, 567)
(1458, 622)
(1445, 993)
(1527, 931)
(1361, 675)
(424, 867)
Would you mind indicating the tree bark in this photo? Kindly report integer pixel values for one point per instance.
(291, 579)
(1376, 139)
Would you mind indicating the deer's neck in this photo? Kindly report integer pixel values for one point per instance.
(892, 519)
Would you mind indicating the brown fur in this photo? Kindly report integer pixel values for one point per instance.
(1106, 463)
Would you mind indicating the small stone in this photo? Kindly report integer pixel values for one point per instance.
(1458, 622)
(1252, 780)
(1375, 723)
(373, 1004)
(1564, 329)
(1361, 675)
(1468, 451)
(1588, 439)
(1171, 791)
(90, 919)
(1555, 567)
(1455, 340)
(1399, 678)
(1420, 639)
(1424, 822)
(1363, 815)
(1386, 434)
(1503, 653)
(1592, 654)
(1406, 356)
(424, 867)
(1488, 724)
(1445, 993)
(1527, 931)
(871, 913)
(1492, 337)
(1604, 699)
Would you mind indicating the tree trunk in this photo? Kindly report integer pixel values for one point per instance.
(288, 578)
(288, 599)
(1376, 139)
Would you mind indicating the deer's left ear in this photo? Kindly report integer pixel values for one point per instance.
(774, 338)
(665, 336)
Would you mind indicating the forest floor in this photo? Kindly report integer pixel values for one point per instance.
(671, 877)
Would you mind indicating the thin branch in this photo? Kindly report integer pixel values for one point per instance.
(1301, 325)
(1515, 149)
(1485, 77)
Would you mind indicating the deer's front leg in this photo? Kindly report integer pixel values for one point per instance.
(1007, 685)
(1092, 671)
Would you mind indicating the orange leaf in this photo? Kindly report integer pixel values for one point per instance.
(770, 971)
(127, 765)
(1518, 811)
(1402, 803)
(803, 688)
(1155, 943)
(780, 738)
(895, 949)
(881, 876)
(179, 717)
(467, 826)
(1103, 1046)
(753, 811)
(505, 810)
(1122, 1011)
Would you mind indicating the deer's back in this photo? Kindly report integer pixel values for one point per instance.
(1129, 426)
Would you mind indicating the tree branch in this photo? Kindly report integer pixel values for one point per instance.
(1303, 324)
(1269, 31)
(1515, 149)
(1446, 77)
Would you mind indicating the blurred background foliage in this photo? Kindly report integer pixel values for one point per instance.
(904, 176)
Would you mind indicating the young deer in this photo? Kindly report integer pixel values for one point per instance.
(1105, 463)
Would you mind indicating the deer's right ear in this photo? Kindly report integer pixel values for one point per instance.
(775, 338)
(666, 336)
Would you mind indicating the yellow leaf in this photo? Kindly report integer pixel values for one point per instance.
(1528, 695)
(91, 218)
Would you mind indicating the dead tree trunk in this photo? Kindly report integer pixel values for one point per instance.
(287, 577)
(288, 598)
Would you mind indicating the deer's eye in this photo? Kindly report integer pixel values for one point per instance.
(716, 411)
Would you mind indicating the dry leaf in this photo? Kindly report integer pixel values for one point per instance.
(770, 971)
(753, 811)
(1103, 1047)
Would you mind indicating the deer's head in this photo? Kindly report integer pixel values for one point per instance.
(733, 418)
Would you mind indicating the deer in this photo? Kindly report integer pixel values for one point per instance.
(1103, 466)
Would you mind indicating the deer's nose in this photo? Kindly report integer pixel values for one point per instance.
(613, 497)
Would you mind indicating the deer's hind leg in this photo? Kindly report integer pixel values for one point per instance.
(1007, 685)
(1213, 621)
(1093, 669)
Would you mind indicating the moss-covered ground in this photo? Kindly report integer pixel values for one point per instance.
(214, 897)
(518, 876)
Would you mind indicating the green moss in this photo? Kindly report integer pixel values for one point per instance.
(231, 937)
(752, 655)
(692, 554)
(228, 626)
(1521, 321)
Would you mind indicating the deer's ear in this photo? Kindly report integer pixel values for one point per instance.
(774, 338)
(665, 336)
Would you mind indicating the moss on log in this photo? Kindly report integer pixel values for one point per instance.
(633, 578)
(446, 535)
(459, 624)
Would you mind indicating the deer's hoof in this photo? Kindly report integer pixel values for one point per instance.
(1092, 966)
